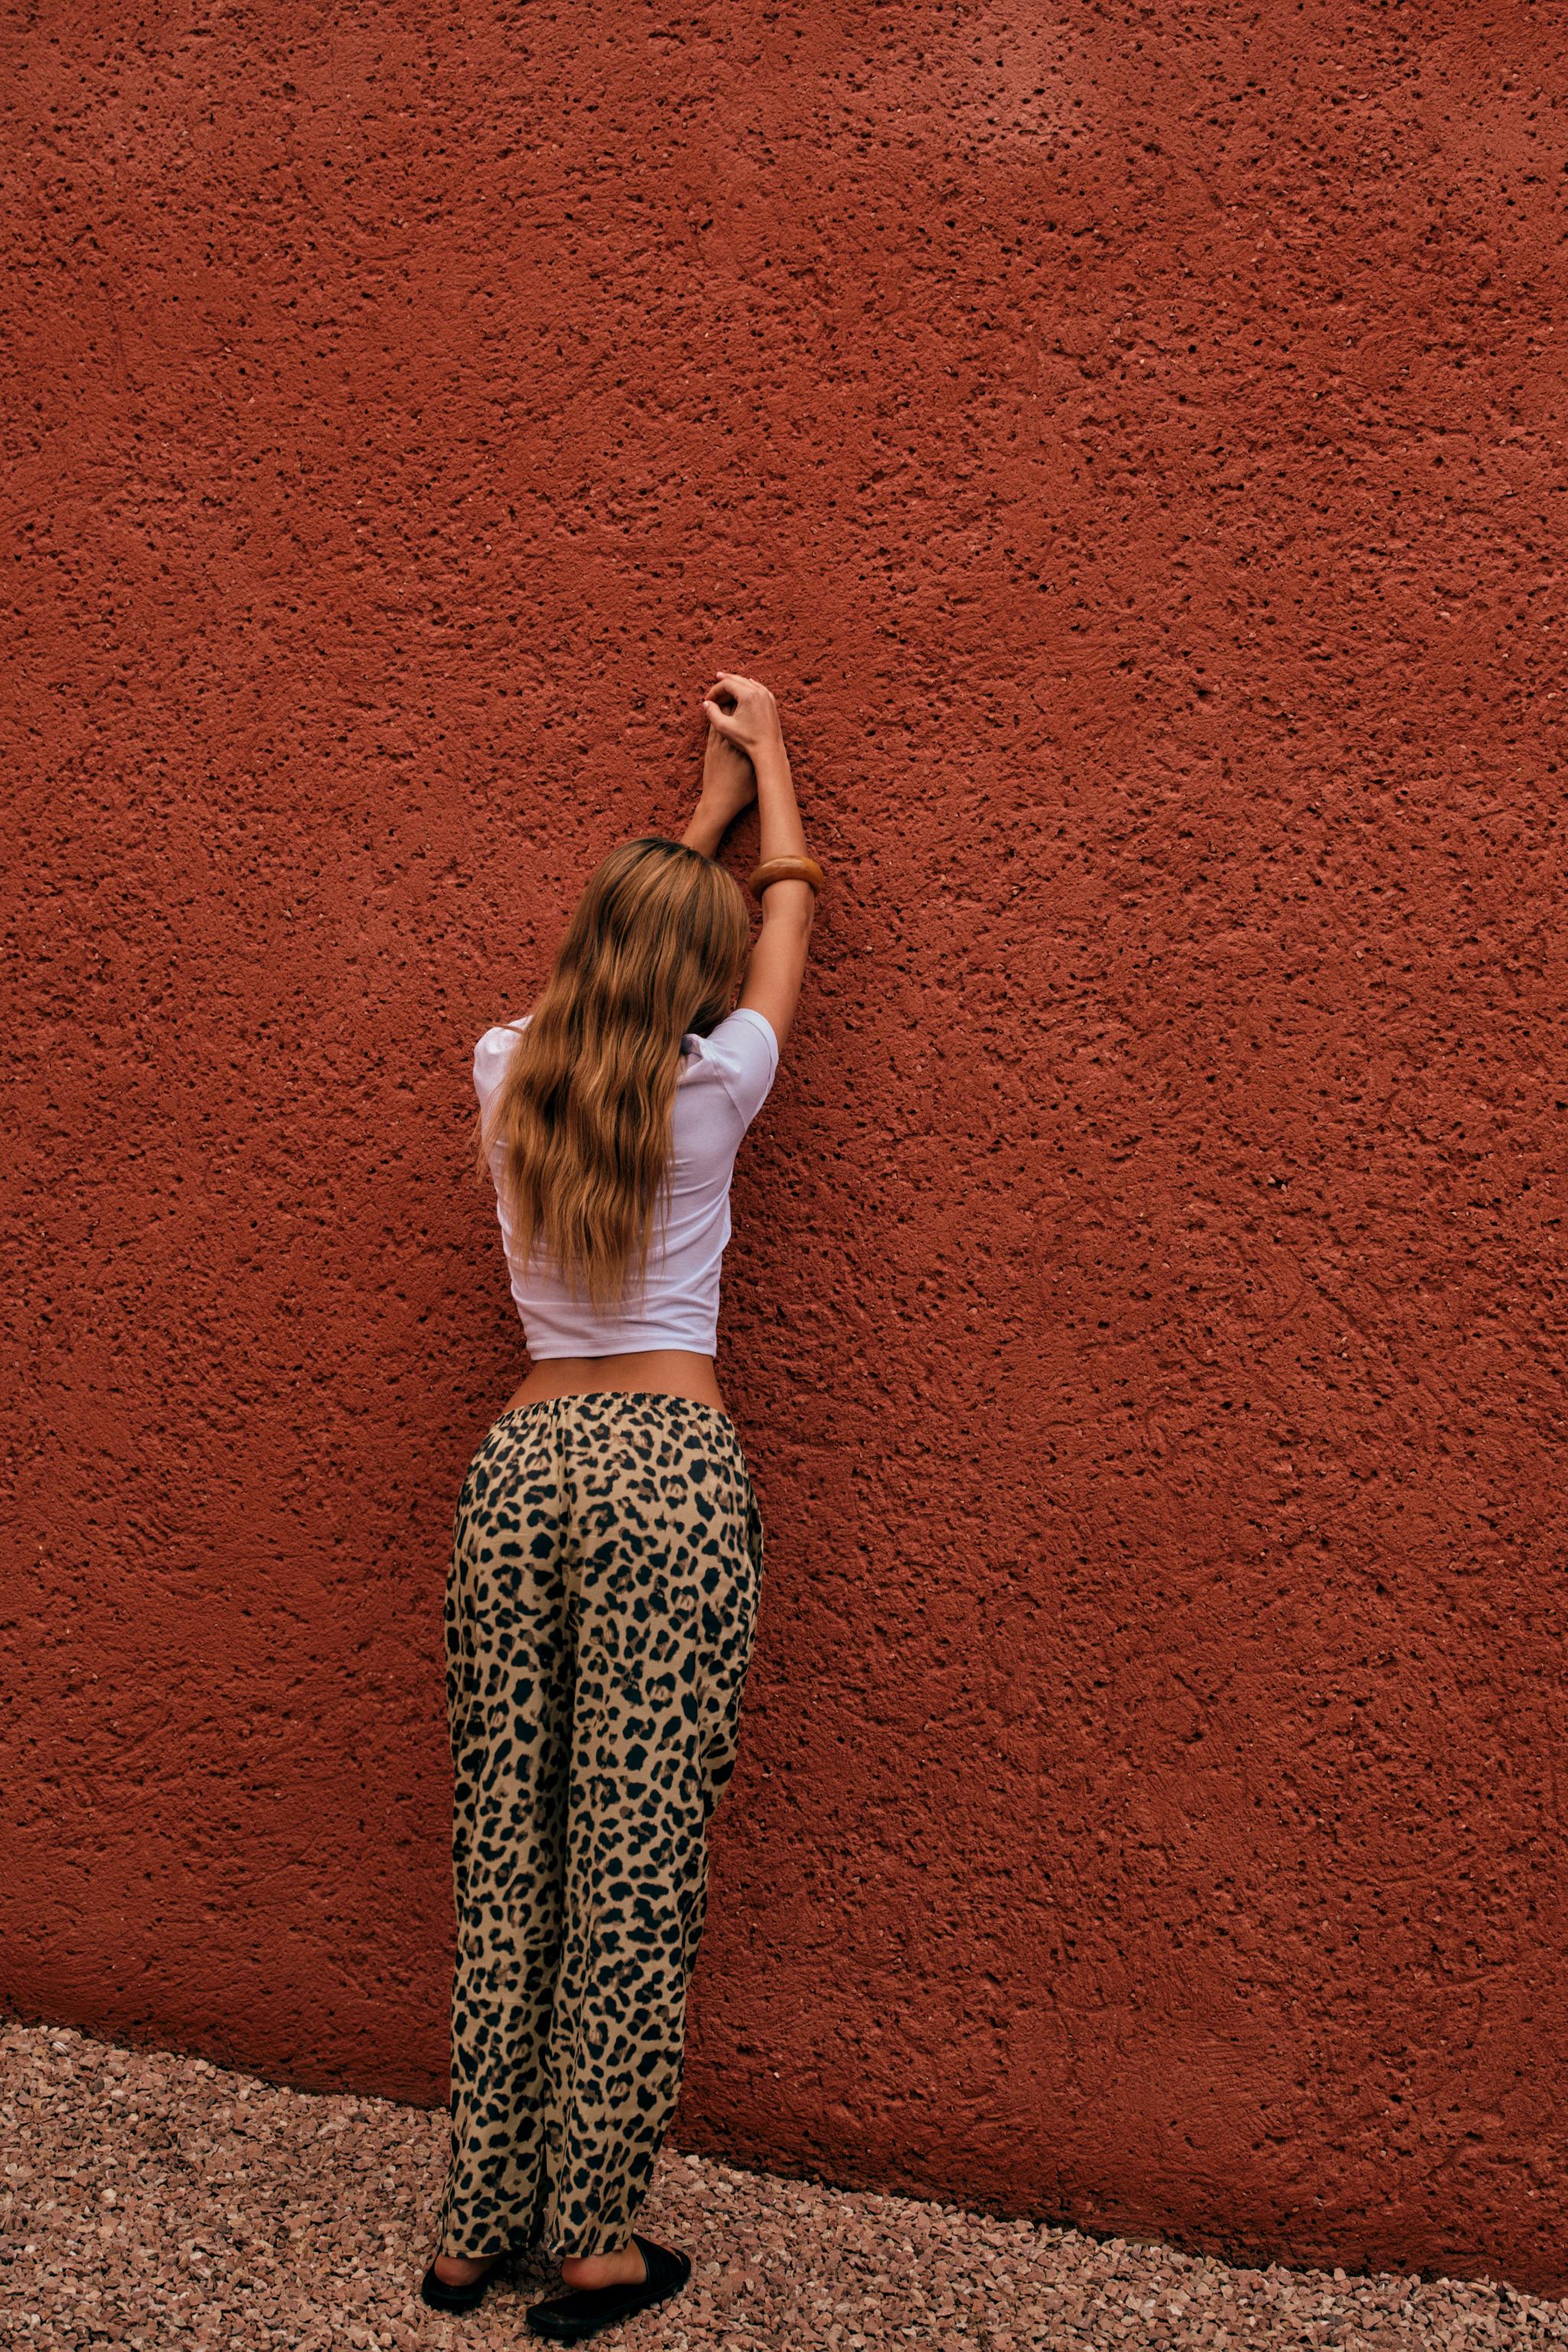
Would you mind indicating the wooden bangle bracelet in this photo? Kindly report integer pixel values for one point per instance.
(785, 870)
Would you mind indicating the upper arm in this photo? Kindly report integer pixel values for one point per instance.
(778, 960)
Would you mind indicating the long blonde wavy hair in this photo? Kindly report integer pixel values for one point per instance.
(657, 946)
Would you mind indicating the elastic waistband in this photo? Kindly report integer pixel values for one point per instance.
(604, 1404)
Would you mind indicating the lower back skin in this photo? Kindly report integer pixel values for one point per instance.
(671, 1372)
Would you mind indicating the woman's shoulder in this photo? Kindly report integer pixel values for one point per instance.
(740, 1053)
(491, 1050)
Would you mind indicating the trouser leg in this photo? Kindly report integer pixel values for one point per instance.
(666, 1552)
(509, 1692)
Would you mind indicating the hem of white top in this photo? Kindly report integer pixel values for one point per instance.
(645, 1348)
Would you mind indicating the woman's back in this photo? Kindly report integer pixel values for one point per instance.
(724, 1080)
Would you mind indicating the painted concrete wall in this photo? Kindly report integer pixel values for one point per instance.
(1130, 440)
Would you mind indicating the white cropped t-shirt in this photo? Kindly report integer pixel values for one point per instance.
(723, 1083)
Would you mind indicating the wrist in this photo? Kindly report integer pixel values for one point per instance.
(771, 760)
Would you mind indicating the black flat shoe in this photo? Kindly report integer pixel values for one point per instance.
(442, 2296)
(584, 2310)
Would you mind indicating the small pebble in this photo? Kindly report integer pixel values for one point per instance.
(241, 2215)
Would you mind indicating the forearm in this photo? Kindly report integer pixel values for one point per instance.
(782, 834)
(706, 830)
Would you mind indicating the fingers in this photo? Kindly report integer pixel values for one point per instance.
(753, 710)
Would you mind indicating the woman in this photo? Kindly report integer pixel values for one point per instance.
(607, 1549)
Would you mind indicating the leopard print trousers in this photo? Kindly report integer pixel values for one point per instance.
(605, 1570)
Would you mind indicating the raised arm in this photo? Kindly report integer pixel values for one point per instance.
(746, 716)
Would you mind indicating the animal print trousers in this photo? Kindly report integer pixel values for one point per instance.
(605, 1570)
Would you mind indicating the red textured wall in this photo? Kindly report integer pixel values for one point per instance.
(1130, 440)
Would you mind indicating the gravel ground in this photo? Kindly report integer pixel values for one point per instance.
(152, 2200)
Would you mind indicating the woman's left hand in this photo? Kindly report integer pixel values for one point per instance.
(729, 779)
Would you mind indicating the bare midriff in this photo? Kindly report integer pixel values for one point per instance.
(671, 1372)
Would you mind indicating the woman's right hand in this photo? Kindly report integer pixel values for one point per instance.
(744, 713)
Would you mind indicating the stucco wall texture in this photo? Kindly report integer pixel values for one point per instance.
(1130, 441)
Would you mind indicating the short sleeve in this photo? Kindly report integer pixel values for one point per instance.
(745, 1052)
(492, 1055)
